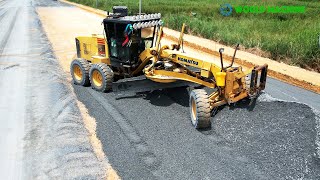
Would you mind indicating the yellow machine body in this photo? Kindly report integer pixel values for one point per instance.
(230, 82)
(131, 47)
(93, 48)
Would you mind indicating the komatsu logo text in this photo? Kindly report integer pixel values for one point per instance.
(190, 61)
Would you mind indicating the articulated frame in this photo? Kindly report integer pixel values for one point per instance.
(229, 82)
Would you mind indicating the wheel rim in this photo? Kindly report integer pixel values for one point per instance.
(77, 72)
(97, 78)
(193, 110)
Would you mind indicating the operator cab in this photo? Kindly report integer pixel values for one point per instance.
(128, 36)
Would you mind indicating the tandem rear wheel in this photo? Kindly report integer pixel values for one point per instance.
(101, 77)
(79, 70)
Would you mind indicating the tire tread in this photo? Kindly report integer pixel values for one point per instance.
(203, 108)
(107, 75)
(85, 67)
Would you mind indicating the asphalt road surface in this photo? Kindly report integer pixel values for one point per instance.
(149, 136)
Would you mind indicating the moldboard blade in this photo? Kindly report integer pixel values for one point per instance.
(142, 84)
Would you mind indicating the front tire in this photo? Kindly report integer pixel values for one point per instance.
(200, 109)
(79, 70)
(101, 77)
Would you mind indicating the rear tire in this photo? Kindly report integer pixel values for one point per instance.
(200, 109)
(79, 70)
(101, 77)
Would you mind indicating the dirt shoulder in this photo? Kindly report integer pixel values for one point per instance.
(62, 25)
(291, 74)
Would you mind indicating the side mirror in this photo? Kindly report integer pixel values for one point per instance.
(221, 50)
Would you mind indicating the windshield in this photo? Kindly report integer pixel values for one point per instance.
(147, 36)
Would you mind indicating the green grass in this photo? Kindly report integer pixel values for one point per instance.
(291, 38)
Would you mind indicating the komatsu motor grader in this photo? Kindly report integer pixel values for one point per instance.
(130, 47)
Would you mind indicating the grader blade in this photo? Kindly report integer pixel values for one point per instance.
(142, 84)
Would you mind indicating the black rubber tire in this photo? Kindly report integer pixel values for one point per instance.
(200, 112)
(84, 67)
(107, 77)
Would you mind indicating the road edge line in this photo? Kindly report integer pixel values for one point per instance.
(91, 126)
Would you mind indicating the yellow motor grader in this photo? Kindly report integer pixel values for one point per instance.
(130, 47)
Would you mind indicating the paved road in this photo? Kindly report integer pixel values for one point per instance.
(287, 92)
(13, 88)
(151, 137)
